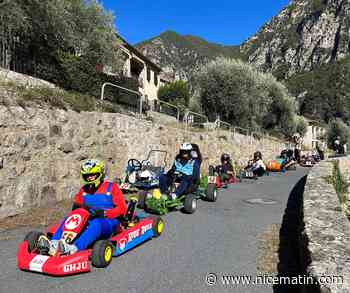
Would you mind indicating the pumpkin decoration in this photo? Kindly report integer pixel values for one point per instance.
(273, 166)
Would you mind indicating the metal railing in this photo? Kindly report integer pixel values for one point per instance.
(177, 109)
(124, 89)
(191, 119)
(224, 125)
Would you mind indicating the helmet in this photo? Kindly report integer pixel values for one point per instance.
(186, 147)
(93, 167)
(257, 156)
(225, 157)
(185, 150)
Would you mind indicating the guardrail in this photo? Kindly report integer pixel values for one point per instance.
(190, 117)
(172, 106)
(121, 88)
(219, 124)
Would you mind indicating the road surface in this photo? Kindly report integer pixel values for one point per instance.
(220, 238)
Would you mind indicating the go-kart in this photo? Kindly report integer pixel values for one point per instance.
(143, 175)
(156, 203)
(215, 172)
(249, 174)
(307, 161)
(281, 165)
(133, 230)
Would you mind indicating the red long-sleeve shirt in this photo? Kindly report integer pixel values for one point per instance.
(117, 198)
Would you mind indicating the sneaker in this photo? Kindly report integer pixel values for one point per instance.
(53, 247)
(172, 196)
(65, 248)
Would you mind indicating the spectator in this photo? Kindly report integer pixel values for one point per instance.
(320, 147)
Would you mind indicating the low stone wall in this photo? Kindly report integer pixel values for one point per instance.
(326, 234)
(43, 148)
(22, 79)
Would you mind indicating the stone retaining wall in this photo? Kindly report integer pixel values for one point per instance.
(22, 79)
(43, 148)
(326, 233)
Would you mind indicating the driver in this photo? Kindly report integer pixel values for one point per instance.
(185, 170)
(257, 165)
(225, 170)
(105, 202)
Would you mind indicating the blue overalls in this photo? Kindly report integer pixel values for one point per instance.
(96, 228)
(186, 170)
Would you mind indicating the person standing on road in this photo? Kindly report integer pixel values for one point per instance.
(298, 141)
(320, 147)
(336, 145)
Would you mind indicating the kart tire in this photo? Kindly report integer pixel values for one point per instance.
(190, 204)
(32, 239)
(157, 226)
(102, 253)
(142, 199)
(212, 193)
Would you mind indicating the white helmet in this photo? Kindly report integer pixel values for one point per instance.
(186, 147)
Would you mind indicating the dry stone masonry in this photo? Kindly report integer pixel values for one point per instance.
(326, 235)
(41, 150)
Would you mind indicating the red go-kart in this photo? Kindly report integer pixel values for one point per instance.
(132, 231)
(214, 177)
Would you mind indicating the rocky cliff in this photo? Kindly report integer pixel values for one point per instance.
(304, 35)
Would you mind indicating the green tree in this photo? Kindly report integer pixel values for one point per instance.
(176, 93)
(245, 97)
(61, 41)
(337, 128)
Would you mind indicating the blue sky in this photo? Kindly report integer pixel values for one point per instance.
(227, 22)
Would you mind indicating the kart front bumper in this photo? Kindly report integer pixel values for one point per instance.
(53, 265)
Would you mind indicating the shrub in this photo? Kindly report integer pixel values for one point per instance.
(243, 96)
(176, 93)
(337, 128)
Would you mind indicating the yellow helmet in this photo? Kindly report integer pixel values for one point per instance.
(90, 168)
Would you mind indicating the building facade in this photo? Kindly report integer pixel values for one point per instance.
(138, 66)
(315, 133)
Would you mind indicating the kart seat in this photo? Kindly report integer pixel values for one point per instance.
(153, 169)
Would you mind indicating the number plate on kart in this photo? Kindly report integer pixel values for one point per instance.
(125, 186)
(211, 179)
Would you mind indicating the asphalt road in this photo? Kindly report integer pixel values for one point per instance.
(220, 238)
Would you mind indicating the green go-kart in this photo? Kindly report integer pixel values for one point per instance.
(156, 203)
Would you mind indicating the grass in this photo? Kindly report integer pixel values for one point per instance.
(57, 98)
(341, 186)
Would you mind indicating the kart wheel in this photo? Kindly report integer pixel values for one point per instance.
(102, 253)
(212, 193)
(157, 226)
(142, 199)
(190, 204)
(32, 239)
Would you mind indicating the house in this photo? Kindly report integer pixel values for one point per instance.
(315, 133)
(138, 66)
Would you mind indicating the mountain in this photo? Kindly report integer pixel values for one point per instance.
(181, 56)
(303, 36)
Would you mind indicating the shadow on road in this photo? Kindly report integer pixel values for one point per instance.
(293, 254)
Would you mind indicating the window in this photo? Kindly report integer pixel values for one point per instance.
(155, 79)
(148, 74)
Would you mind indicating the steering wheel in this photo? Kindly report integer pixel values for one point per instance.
(136, 164)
